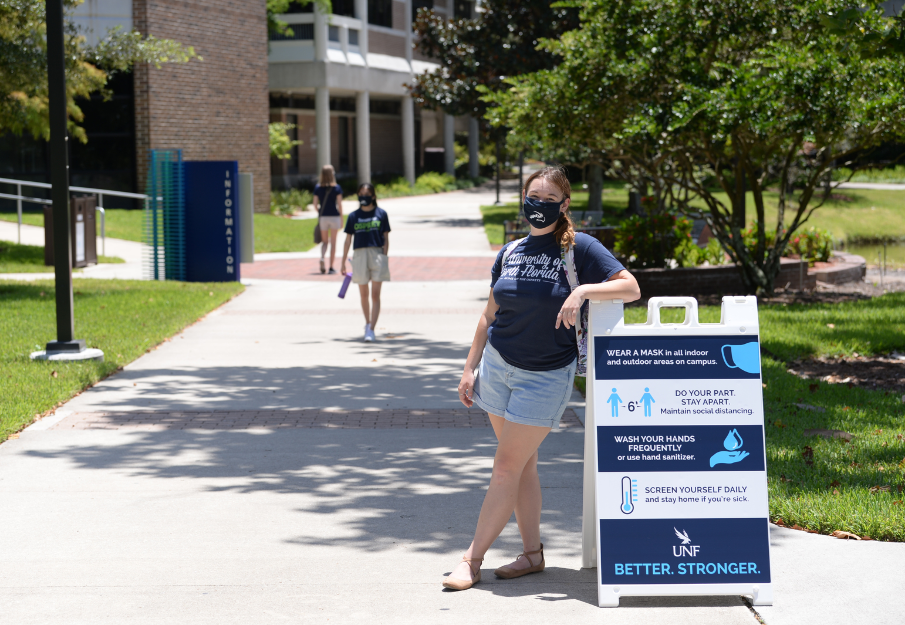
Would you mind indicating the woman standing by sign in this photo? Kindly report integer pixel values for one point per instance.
(369, 228)
(522, 362)
(328, 202)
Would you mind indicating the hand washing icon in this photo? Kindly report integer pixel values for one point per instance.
(732, 443)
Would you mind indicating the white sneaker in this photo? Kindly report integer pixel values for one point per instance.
(369, 334)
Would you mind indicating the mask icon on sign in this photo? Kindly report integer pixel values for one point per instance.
(745, 357)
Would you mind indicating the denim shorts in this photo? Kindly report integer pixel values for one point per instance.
(528, 397)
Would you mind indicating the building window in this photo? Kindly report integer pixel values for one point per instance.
(353, 37)
(297, 101)
(300, 32)
(294, 7)
(333, 33)
(344, 7)
(421, 4)
(380, 13)
(342, 104)
(386, 107)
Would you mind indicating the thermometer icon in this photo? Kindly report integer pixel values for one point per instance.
(629, 494)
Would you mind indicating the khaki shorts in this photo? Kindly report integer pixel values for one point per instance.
(370, 264)
(334, 223)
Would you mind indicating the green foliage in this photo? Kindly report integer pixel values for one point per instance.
(888, 175)
(425, 184)
(290, 201)
(279, 7)
(686, 96)
(812, 245)
(123, 318)
(23, 66)
(650, 242)
(500, 41)
(281, 143)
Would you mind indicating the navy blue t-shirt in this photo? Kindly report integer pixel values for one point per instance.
(327, 197)
(367, 227)
(530, 291)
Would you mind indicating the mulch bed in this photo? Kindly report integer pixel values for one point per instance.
(872, 372)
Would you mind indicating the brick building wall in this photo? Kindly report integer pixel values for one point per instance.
(215, 109)
(384, 43)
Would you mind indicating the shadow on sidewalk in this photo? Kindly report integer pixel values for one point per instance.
(366, 490)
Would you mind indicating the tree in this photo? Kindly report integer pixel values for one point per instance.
(500, 41)
(23, 65)
(714, 99)
(281, 143)
(279, 7)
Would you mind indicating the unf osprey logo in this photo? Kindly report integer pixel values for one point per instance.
(538, 216)
(681, 551)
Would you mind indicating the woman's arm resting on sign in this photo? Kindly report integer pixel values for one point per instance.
(621, 286)
(466, 385)
(346, 246)
(386, 243)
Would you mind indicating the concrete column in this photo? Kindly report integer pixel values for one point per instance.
(449, 144)
(408, 136)
(408, 31)
(322, 121)
(363, 135)
(361, 12)
(472, 147)
(320, 35)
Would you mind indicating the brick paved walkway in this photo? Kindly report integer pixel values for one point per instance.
(402, 269)
(274, 419)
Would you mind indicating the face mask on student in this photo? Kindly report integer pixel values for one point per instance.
(364, 200)
(541, 214)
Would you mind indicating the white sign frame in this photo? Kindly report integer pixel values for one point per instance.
(606, 318)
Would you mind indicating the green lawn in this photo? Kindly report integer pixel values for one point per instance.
(15, 258)
(272, 233)
(123, 318)
(833, 492)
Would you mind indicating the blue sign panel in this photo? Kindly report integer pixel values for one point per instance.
(680, 448)
(676, 357)
(211, 221)
(684, 551)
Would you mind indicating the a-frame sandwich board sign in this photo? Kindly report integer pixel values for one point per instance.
(675, 499)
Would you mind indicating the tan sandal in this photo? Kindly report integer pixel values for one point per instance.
(464, 584)
(506, 572)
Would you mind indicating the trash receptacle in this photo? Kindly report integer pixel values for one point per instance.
(83, 233)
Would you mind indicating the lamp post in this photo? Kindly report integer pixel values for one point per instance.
(66, 347)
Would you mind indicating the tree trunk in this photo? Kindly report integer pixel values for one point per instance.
(595, 188)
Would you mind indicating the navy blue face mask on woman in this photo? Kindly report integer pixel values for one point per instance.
(541, 214)
(364, 200)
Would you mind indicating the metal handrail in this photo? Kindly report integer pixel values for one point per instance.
(43, 185)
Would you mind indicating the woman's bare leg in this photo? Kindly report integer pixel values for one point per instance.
(527, 506)
(375, 303)
(333, 233)
(517, 447)
(365, 304)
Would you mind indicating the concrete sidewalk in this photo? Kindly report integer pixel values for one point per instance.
(266, 466)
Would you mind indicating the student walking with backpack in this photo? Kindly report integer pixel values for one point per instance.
(524, 357)
(328, 202)
(368, 232)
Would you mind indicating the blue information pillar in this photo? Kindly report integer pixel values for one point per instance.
(211, 221)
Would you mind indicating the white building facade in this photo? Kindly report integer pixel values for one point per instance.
(341, 79)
